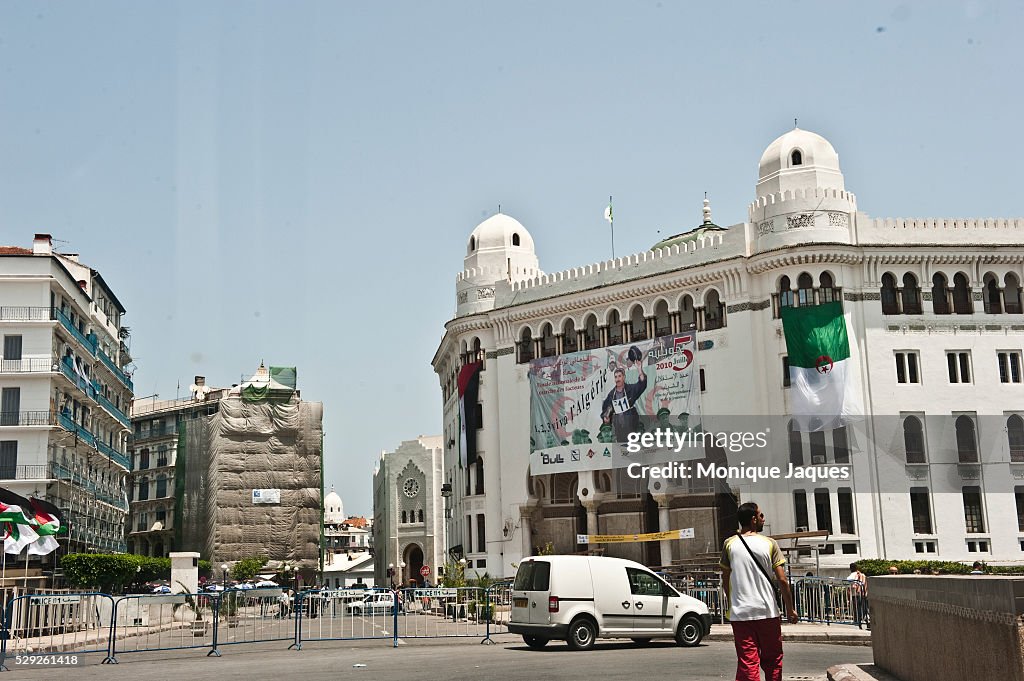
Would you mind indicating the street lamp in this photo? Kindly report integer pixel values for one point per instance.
(224, 575)
(401, 567)
(391, 574)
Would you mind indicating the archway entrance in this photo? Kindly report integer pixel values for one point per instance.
(413, 562)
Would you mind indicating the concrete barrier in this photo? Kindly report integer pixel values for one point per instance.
(963, 628)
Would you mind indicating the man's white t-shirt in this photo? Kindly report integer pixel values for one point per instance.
(751, 597)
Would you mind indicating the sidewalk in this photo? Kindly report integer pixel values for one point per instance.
(858, 672)
(807, 633)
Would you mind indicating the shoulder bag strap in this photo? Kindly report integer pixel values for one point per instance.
(760, 567)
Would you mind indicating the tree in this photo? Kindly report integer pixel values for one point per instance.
(247, 568)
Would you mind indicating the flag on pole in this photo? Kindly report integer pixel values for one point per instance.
(50, 521)
(823, 393)
(469, 388)
(17, 520)
(608, 212)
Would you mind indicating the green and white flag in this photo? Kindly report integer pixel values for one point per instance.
(824, 387)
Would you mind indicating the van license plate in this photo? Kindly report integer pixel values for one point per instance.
(519, 602)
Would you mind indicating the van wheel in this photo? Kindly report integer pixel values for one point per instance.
(535, 642)
(690, 631)
(582, 633)
(641, 641)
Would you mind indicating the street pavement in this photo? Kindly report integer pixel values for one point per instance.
(448, 659)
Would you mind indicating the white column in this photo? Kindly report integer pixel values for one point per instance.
(663, 526)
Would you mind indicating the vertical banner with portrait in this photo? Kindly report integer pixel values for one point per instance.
(585, 406)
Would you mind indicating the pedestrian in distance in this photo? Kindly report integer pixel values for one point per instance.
(748, 560)
(859, 591)
(978, 568)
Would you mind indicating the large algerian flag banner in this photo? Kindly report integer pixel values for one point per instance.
(823, 392)
(50, 523)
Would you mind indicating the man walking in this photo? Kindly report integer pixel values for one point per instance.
(748, 559)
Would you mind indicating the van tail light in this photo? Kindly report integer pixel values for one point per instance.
(553, 604)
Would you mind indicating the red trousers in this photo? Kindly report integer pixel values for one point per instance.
(758, 644)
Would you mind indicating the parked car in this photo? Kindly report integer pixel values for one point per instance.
(161, 589)
(579, 599)
(382, 601)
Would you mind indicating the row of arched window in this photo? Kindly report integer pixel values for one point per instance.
(903, 296)
(710, 314)
(806, 292)
(966, 439)
(411, 516)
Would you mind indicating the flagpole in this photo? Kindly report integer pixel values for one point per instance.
(611, 221)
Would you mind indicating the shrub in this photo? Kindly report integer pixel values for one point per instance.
(247, 568)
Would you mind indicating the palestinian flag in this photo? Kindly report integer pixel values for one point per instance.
(469, 389)
(51, 523)
(16, 520)
(822, 394)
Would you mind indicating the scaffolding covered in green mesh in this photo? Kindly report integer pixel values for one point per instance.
(231, 463)
(275, 385)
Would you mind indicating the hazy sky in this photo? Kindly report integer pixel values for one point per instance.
(295, 182)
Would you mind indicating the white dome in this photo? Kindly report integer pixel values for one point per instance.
(814, 151)
(799, 161)
(333, 510)
(499, 231)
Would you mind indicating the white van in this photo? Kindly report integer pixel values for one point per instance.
(581, 598)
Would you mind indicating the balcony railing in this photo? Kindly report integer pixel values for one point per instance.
(27, 365)
(24, 472)
(22, 313)
(28, 418)
(163, 431)
(65, 422)
(118, 373)
(113, 454)
(114, 411)
(88, 342)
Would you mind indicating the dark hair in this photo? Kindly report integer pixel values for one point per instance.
(746, 513)
(977, 564)
(853, 567)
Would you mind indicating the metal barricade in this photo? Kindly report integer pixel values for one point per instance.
(710, 595)
(831, 601)
(147, 622)
(499, 601)
(346, 614)
(57, 623)
(443, 612)
(253, 616)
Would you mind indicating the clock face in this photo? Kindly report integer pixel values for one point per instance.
(411, 488)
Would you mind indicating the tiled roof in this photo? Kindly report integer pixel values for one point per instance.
(14, 250)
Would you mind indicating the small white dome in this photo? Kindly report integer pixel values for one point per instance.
(498, 232)
(333, 510)
(813, 151)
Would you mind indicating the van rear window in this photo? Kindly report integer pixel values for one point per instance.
(534, 575)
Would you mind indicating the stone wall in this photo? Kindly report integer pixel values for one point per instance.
(963, 628)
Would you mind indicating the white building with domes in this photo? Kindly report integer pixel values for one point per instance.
(936, 327)
(347, 546)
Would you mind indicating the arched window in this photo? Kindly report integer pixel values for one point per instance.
(143, 489)
(662, 320)
(911, 295)
(962, 294)
(714, 311)
(828, 291)
(966, 444)
(569, 342)
(405, 518)
(1015, 435)
(1011, 294)
(785, 293)
(796, 445)
(614, 328)
(913, 439)
(637, 324)
(890, 303)
(796, 158)
(805, 290)
(525, 345)
(420, 514)
(993, 297)
(472, 244)
(547, 344)
(687, 315)
(161, 486)
(515, 238)
(940, 294)
(592, 333)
